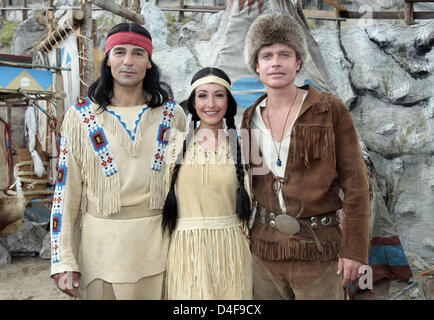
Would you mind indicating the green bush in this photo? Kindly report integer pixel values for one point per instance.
(7, 32)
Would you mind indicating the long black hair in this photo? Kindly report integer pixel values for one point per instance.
(170, 209)
(101, 91)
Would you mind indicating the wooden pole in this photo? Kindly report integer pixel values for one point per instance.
(94, 32)
(181, 13)
(9, 122)
(4, 11)
(190, 9)
(86, 48)
(125, 4)
(25, 13)
(299, 7)
(50, 17)
(424, 15)
(394, 15)
(337, 9)
(320, 15)
(119, 10)
(409, 13)
(58, 89)
(18, 93)
(195, 8)
(336, 5)
(28, 65)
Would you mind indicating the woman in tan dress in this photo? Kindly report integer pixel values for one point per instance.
(207, 207)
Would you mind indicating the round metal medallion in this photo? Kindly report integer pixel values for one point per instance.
(287, 224)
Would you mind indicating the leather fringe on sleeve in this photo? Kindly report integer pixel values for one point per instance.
(105, 189)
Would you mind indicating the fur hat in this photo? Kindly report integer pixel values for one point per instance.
(268, 29)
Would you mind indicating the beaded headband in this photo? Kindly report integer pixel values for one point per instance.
(210, 79)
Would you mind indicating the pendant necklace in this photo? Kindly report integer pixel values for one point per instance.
(279, 162)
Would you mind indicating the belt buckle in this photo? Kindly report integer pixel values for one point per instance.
(287, 224)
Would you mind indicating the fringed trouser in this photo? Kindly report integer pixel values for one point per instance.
(276, 280)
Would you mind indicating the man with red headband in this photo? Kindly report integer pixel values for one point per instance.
(106, 235)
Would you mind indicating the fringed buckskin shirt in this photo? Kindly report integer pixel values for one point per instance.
(324, 157)
(106, 215)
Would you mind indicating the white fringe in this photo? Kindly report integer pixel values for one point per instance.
(106, 189)
(17, 182)
(38, 167)
(158, 189)
(223, 262)
(31, 126)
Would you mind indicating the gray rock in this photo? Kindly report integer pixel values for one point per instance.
(429, 108)
(429, 242)
(212, 21)
(388, 61)
(26, 35)
(177, 71)
(394, 130)
(405, 45)
(417, 262)
(191, 32)
(338, 66)
(203, 50)
(414, 294)
(155, 23)
(45, 252)
(410, 198)
(27, 241)
(5, 257)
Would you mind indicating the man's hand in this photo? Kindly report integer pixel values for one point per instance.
(350, 269)
(67, 281)
(340, 215)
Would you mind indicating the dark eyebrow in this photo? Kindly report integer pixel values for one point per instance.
(139, 50)
(217, 91)
(124, 49)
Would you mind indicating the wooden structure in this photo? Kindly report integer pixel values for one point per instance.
(132, 11)
(182, 7)
(340, 13)
(22, 85)
(411, 15)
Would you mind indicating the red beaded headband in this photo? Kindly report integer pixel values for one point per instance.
(129, 38)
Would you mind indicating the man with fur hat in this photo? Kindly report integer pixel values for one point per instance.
(309, 147)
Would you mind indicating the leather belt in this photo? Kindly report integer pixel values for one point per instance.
(304, 227)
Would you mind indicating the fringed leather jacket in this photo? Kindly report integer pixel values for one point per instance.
(324, 157)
